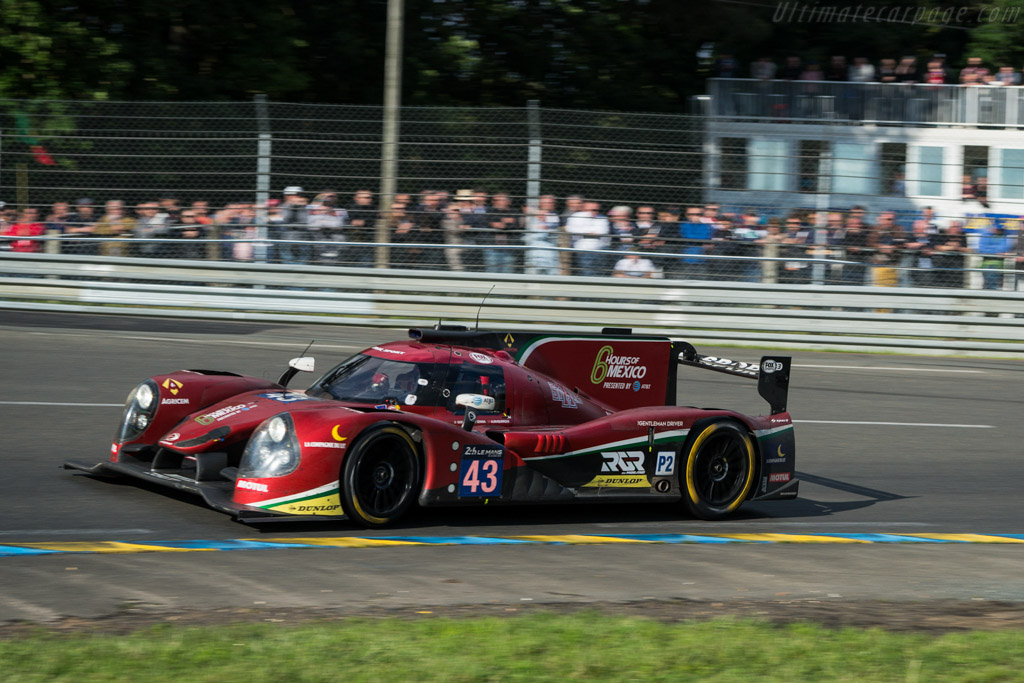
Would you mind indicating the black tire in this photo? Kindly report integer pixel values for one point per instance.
(719, 470)
(380, 477)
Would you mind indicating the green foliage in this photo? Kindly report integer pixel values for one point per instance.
(54, 54)
(540, 647)
(631, 55)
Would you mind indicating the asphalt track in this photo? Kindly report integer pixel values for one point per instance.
(887, 447)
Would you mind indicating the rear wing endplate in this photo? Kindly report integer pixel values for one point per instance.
(772, 373)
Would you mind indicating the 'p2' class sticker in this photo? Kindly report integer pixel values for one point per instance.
(480, 358)
(480, 471)
(665, 464)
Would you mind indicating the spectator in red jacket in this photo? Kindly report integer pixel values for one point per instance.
(28, 225)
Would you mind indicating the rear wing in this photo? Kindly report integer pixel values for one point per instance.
(772, 373)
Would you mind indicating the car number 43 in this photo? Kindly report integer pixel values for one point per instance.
(480, 477)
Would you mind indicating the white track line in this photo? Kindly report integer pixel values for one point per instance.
(894, 424)
(893, 369)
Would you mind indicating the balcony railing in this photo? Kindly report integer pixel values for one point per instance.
(866, 103)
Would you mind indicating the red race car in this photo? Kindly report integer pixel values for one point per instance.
(457, 417)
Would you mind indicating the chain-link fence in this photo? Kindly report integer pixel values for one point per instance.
(518, 190)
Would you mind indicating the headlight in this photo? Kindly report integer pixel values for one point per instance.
(276, 429)
(272, 451)
(138, 411)
(144, 396)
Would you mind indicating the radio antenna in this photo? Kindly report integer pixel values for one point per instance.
(477, 326)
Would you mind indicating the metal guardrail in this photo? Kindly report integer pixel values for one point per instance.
(930, 321)
(837, 102)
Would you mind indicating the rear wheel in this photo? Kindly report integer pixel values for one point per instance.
(380, 477)
(719, 470)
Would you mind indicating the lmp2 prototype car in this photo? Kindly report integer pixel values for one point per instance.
(456, 417)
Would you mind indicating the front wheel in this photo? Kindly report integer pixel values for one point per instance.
(719, 470)
(380, 477)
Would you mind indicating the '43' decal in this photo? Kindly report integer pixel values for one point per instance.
(480, 471)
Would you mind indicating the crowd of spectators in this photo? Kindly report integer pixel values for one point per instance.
(471, 230)
(907, 69)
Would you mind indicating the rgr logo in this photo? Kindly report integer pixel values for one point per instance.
(623, 462)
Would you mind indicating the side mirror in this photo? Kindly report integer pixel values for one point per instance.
(471, 401)
(304, 364)
(296, 365)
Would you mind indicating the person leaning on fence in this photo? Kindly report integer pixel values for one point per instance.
(294, 227)
(589, 230)
(623, 232)
(994, 246)
(400, 227)
(150, 224)
(361, 229)
(769, 244)
(188, 230)
(501, 223)
(856, 244)
(26, 226)
(326, 221)
(474, 211)
(542, 229)
(80, 224)
(114, 223)
(452, 224)
(795, 243)
(950, 252)
(57, 219)
(427, 229)
(695, 233)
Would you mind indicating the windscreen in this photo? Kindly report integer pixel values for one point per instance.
(368, 379)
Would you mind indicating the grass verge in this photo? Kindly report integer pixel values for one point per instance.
(537, 647)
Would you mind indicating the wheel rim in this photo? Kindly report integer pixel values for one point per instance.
(720, 469)
(384, 476)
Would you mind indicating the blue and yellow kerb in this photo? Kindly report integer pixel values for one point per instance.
(116, 547)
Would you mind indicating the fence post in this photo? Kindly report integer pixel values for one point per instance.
(533, 165)
(389, 138)
(263, 159)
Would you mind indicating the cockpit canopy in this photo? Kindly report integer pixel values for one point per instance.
(374, 380)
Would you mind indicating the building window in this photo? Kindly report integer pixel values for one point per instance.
(894, 169)
(853, 168)
(767, 161)
(811, 178)
(929, 171)
(975, 179)
(733, 163)
(1009, 175)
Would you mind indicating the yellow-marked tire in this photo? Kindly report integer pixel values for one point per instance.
(380, 477)
(720, 470)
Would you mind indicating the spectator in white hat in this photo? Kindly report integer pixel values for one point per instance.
(295, 220)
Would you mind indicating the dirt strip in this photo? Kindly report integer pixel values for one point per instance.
(921, 617)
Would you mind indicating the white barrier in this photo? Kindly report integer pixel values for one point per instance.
(930, 321)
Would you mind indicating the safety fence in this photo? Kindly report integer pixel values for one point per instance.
(221, 153)
(765, 261)
(929, 321)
